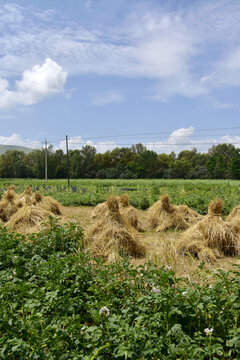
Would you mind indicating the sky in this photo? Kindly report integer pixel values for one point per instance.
(118, 72)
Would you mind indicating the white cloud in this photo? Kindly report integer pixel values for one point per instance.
(175, 142)
(185, 52)
(178, 140)
(109, 97)
(36, 84)
(183, 139)
(77, 142)
(17, 140)
(226, 106)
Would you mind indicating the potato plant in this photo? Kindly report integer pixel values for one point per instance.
(57, 303)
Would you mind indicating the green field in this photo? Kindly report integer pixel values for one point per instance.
(142, 193)
(57, 304)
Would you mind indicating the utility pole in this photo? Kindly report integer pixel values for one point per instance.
(68, 164)
(46, 161)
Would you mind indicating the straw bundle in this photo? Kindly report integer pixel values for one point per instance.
(211, 237)
(163, 215)
(113, 234)
(26, 210)
(8, 204)
(27, 218)
(234, 214)
(129, 213)
(100, 211)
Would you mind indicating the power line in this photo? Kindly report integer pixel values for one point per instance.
(162, 144)
(153, 133)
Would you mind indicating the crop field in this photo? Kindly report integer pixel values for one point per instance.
(142, 193)
(58, 302)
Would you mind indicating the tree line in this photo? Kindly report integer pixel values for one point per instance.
(135, 162)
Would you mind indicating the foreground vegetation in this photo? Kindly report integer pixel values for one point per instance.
(57, 304)
(142, 193)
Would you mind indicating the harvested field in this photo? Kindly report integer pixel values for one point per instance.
(161, 246)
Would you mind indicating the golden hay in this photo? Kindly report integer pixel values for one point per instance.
(163, 215)
(100, 211)
(211, 237)
(114, 235)
(129, 213)
(10, 194)
(27, 218)
(8, 204)
(26, 209)
(124, 200)
(234, 214)
(51, 205)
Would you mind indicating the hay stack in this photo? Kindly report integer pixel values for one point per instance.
(8, 204)
(163, 215)
(100, 211)
(113, 234)
(234, 215)
(26, 211)
(27, 218)
(129, 213)
(211, 237)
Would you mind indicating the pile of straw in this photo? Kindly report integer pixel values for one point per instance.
(100, 211)
(129, 213)
(26, 211)
(234, 216)
(211, 237)
(113, 234)
(8, 204)
(163, 215)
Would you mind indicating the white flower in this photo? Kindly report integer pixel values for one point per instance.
(221, 312)
(208, 331)
(156, 290)
(83, 330)
(14, 272)
(168, 267)
(104, 311)
(210, 286)
(184, 292)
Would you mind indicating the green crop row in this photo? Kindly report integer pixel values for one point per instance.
(142, 193)
(57, 304)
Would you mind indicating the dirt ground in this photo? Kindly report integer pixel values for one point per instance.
(160, 247)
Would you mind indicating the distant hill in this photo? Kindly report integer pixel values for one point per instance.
(4, 148)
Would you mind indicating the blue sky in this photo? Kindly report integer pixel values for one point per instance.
(114, 73)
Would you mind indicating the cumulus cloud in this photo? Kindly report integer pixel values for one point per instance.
(108, 98)
(36, 84)
(18, 140)
(185, 139)
(226, 106)
(77, 142)
(179, 50)
(178, 140)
